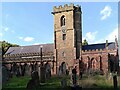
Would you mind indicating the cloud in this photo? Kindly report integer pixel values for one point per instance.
(110, 37)
(90, 36)
(27, 39)
(36, 43)
(106, 12)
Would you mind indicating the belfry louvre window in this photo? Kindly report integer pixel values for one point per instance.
(64, 36)
(63, 21)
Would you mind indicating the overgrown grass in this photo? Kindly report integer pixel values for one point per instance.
(97, 81)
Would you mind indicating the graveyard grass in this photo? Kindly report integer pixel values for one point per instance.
(97, 81)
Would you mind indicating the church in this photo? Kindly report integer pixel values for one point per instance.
(67, 51)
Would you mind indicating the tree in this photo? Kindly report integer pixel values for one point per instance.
(5, 46)
(85, 42)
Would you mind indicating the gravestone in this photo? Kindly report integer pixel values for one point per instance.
(115, 83)
(14, 68)
(32, 67)
(60, 71)
(17, 71)
(36, 66)
(39, 70)
(47, 70)
(63, 75)
(63, 68)
(5, 75)
(27, 70)
(23, 69)
(74, 77)
(34, 83)
(42, 73)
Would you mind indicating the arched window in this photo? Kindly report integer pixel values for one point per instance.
(63, 21)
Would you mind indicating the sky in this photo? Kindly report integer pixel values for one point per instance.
(31, 23)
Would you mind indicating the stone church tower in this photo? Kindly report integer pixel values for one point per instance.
(67, 34)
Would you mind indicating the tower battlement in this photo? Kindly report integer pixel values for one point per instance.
(64, 8)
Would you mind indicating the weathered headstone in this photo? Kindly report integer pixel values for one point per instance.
(115, 83)
(42, 73)
(60, 71)
(5, 75)
(63, 68)
(23, 69)
(17, 71)
(27, 70)
(39, 70)
(14, 68)
(34, 83)
(47, 70)
(74, 77)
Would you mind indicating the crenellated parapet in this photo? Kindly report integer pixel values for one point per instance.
(97, 50)
(64, 8)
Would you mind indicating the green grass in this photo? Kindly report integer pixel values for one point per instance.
(97, 81)
(16, 82)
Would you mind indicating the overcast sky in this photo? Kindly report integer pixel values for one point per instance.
(31, 23)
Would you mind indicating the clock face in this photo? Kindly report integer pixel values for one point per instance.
(63, 30)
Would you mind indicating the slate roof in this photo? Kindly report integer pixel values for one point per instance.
(30, 49)
(50, 48)
(99, 46)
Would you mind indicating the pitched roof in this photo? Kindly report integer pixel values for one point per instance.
(50, 48)
(99, 46)
(30, 49)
